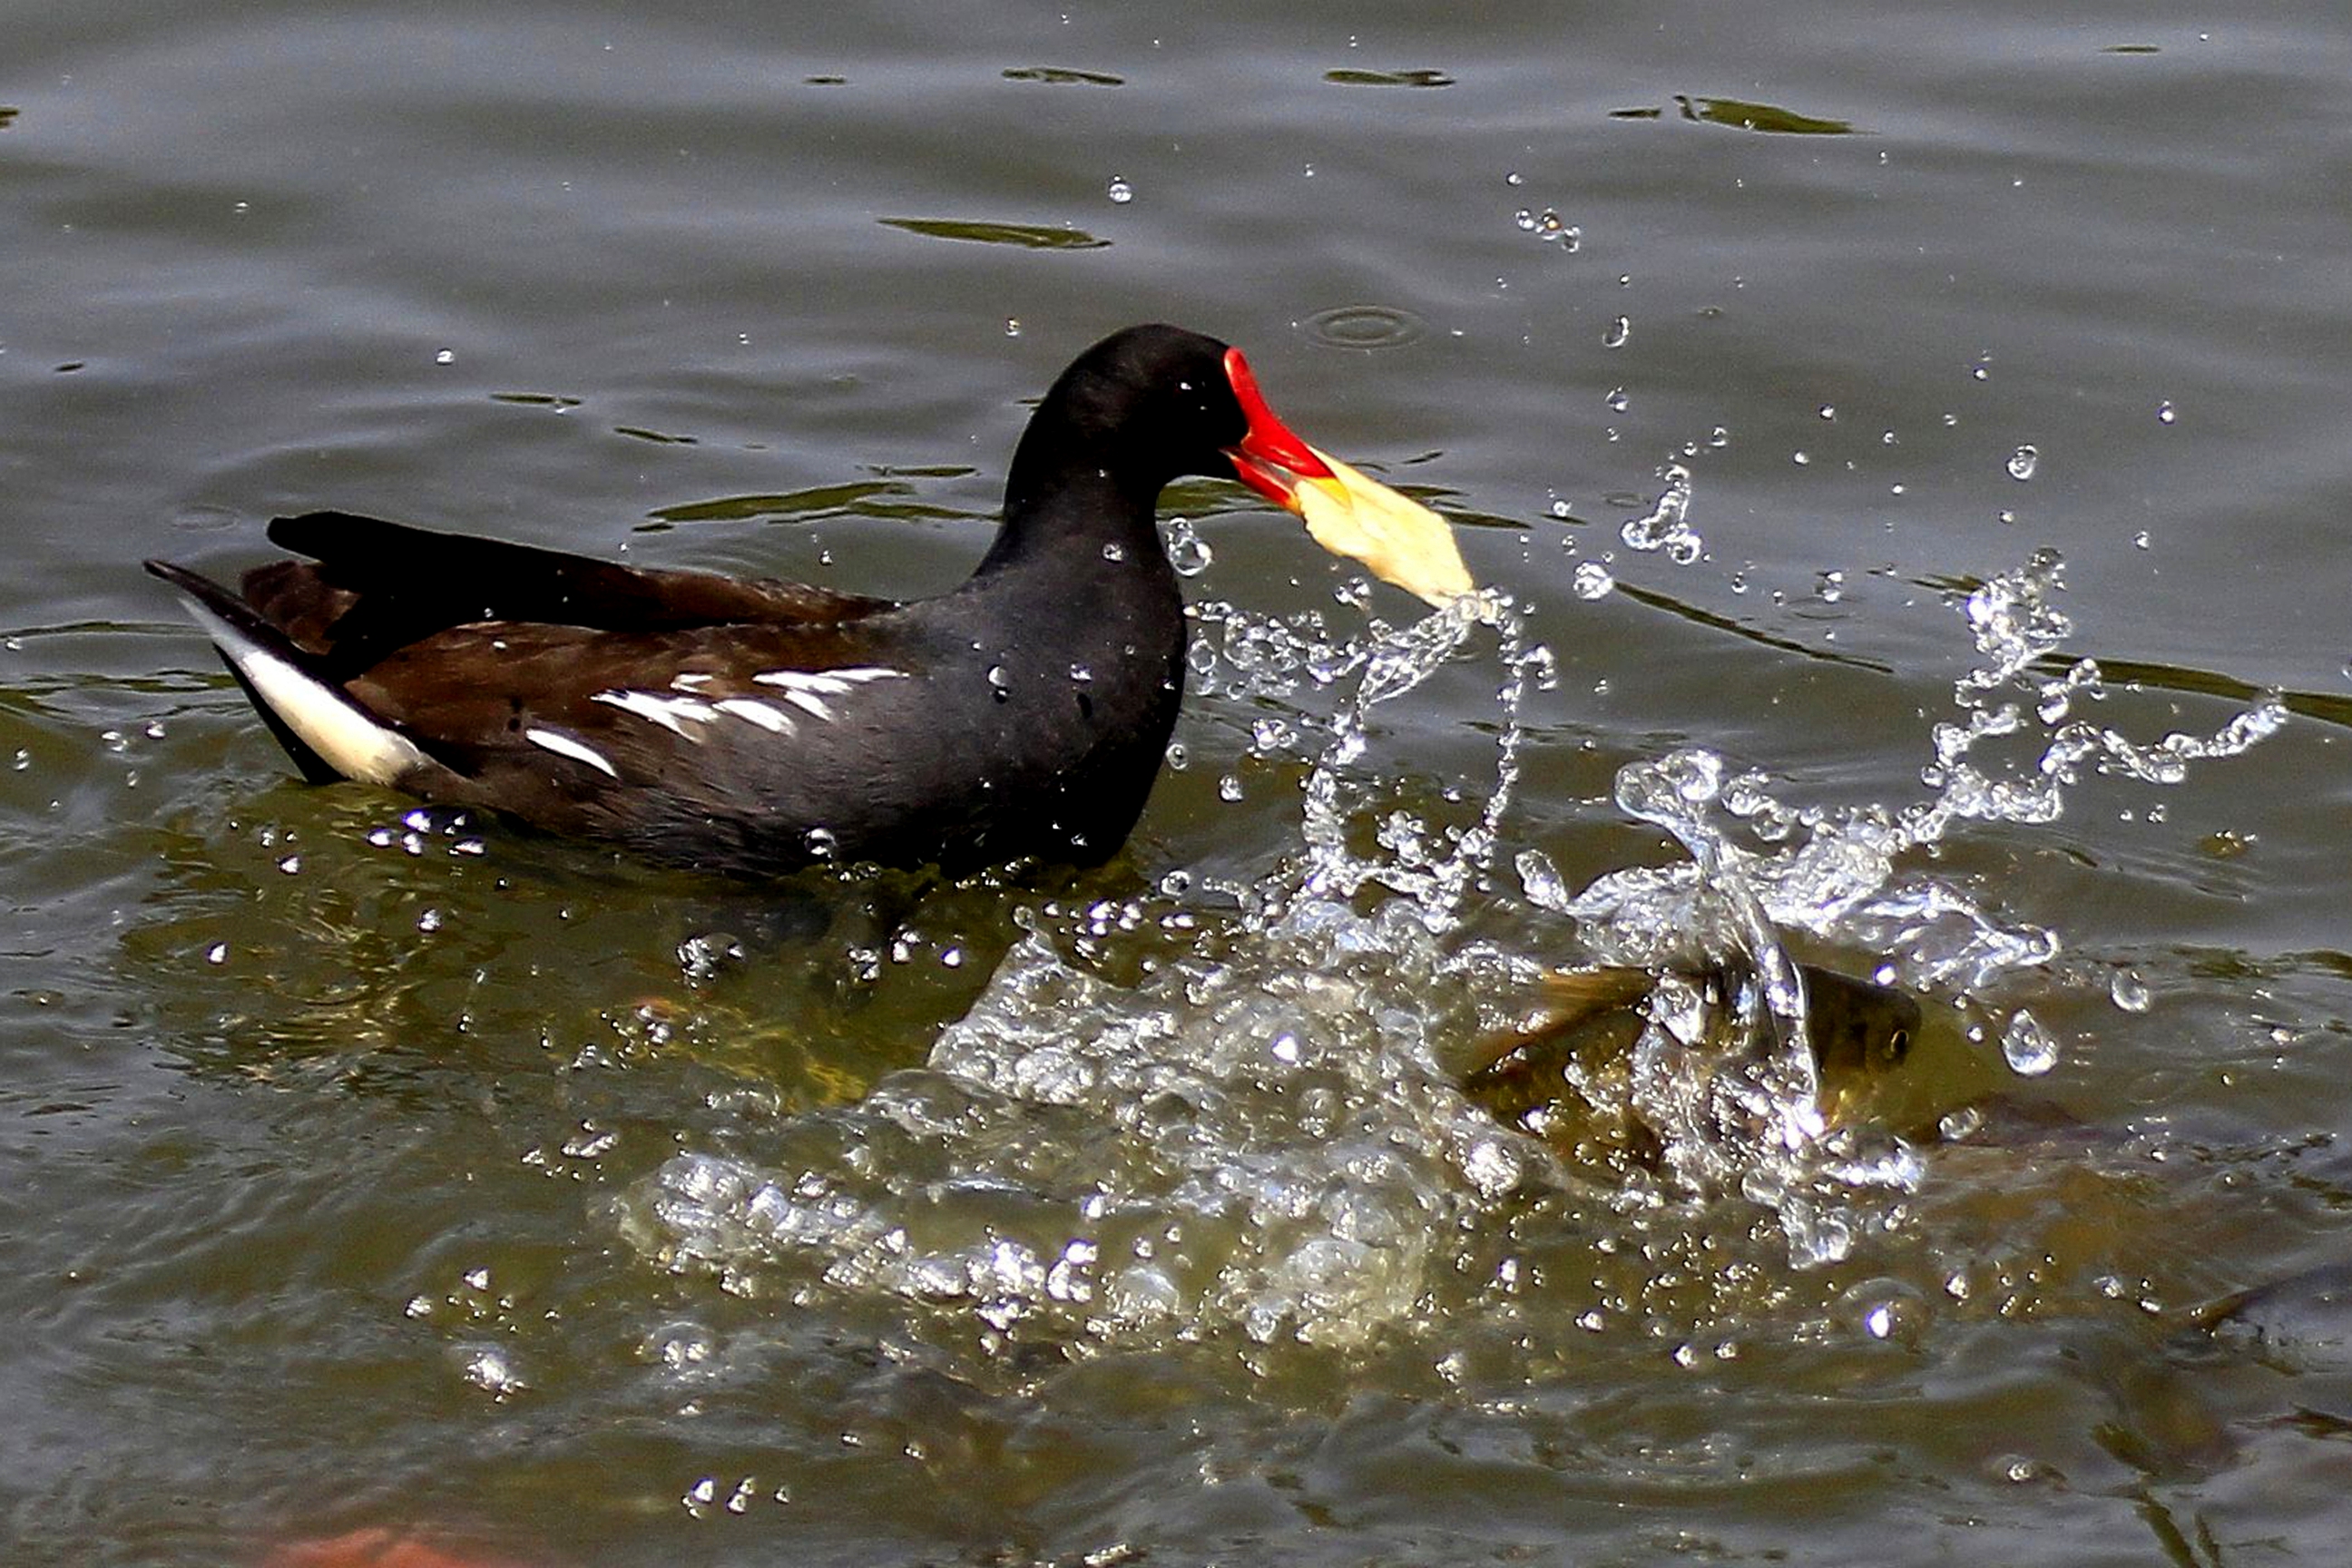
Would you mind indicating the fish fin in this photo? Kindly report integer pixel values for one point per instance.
(1569, 1000)
(1576, 994)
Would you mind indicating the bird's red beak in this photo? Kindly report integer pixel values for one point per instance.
(1271, 459)
(1348, 513)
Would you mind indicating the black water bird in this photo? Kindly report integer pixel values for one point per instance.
(754, 726)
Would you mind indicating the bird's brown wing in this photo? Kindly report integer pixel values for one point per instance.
(371, 588)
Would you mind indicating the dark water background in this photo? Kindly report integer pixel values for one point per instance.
(348, 1165)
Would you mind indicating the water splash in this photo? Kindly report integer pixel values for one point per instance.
(1258, 1138)
(1759, 867)
(1432, 868)
(1666, 525)
(1831, 871)
(1248, 656)
(1085, 1164)
(1550, 227)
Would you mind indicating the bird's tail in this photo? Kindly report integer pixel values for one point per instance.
(329, 733)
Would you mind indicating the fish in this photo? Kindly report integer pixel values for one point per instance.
(1564, 1071)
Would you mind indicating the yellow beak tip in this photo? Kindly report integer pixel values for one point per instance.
(1396, 538)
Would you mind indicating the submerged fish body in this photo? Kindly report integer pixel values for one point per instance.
(1567, 1072)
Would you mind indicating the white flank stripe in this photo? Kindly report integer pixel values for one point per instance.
(827, 682)
(808, 690)
(565, 745)
(672, 714)
(753, 710)
(808, 702)
(350, 741)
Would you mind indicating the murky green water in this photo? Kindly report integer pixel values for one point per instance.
(363, 1170)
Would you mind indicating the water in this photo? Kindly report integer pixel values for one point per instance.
(369, 1168)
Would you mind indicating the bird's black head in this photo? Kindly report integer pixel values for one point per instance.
(1150, 402)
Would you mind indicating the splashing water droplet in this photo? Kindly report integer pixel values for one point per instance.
(2030, 1049)
(1121, 190)
(1591, 580)
(490, 1370)
(1666, 525)
(2022, 462)
(2164, 413)
(1187, 551)
(1618, 331)
(2129, 992)
(1542, 879)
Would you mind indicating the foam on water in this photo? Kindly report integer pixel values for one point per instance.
(1259, 1137)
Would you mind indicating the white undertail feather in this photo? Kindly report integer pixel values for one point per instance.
(321, 717)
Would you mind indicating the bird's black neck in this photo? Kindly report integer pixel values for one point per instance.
(1061, 502)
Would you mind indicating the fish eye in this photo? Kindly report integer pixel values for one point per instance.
(1898, 1044)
